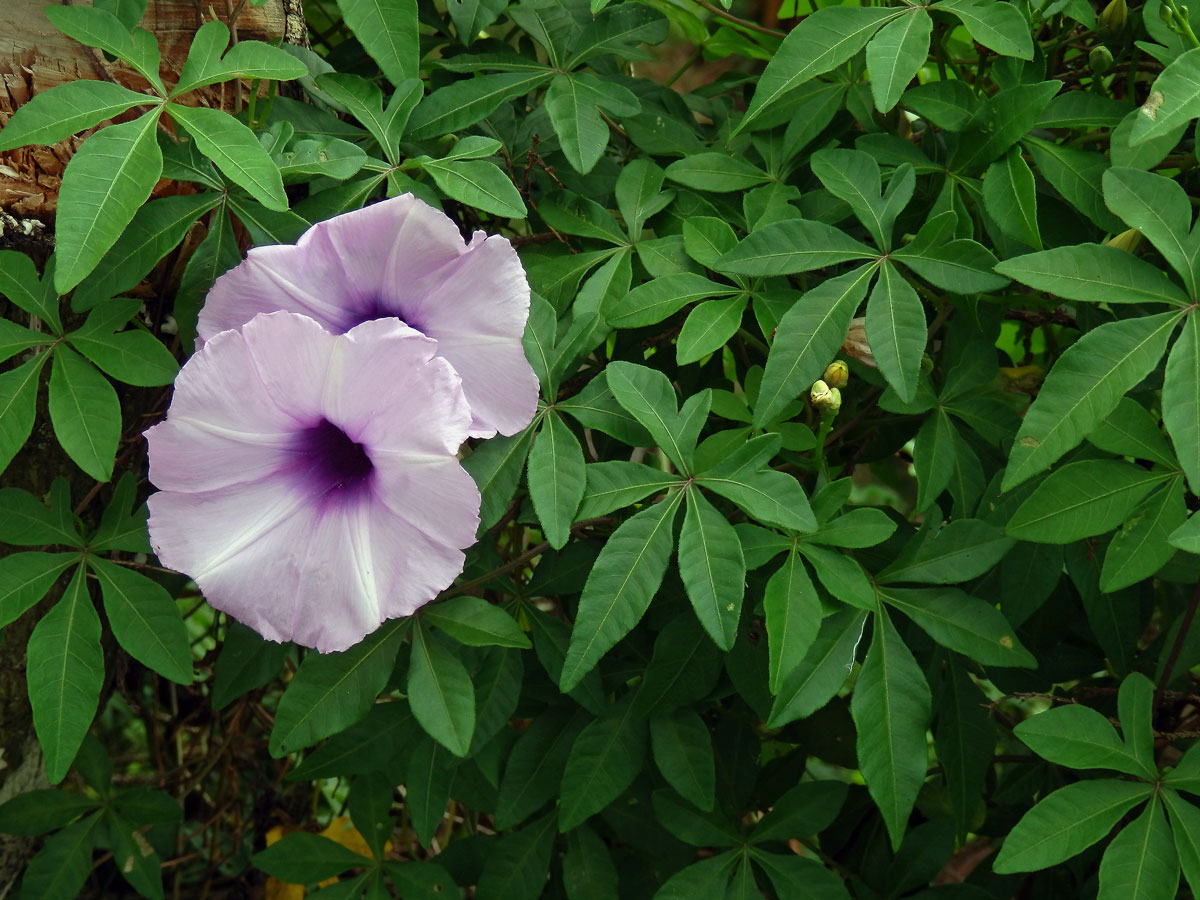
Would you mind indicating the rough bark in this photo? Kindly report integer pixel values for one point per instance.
(34, 57)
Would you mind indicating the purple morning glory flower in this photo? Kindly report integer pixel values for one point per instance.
(402, 258)
(309, 482)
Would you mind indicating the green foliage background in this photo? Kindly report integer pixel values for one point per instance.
(717, 639)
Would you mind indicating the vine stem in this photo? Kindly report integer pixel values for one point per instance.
(1177, 647)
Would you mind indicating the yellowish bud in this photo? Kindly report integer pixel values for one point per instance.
(837, 373)
(825, 398)
(1126, 240)
(1112, 20)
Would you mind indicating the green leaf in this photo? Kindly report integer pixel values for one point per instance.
(1079, 737)
(61, 867)
(962, 266)
(388, 32)
(1083, 387)
(821, 42)
(216, 254)
(1082, 499)
(1181, 399)
(65, 672)
(596, 407)
(574, 102)
(39, 811)
(246, 59)
(842, 576)
(682, 750)
(1076, 174)
(1135, 702)
(429, 777)
(1174, 99)
(775, 498)
(29, 523)
(793, 618)
(516, 868)
(463, 103)
(235, 150)
(895, 54)
(708, 328)
(998, 26)
(62, 111)
(557, 479)
(331, 691)
(623, 580)
(809, 336)
(1000, 122)
(800, 877)
(620, 29)
(604, 760)
(1094, 273)
(108, 179)
(712, 568)
(1010, 198)
(137, 861)
(133, 356)
(707, 879)
(619, 483)
(18, 406)
(1130, 430)
(716, 172)
(496, 466)
(369, 745)
(20, 284)
(650, 397)
(1141, 862)
(302, 857)
(654, 300)
(1066, 823)
(25, 578)
(145, 620)
(440, 692)
(891, 709)
(1159, 209)
(470, 17)
(962, 623)
(535, 766)
(791, 246)
(957, 551)
(808, 808)
(1185, 827)
(156, 229)
(478, 184)
(896, 330)
(99, 28)
(862, 527)
(638, 191)
(85, 412)
(246, 661)
(475, 622)
(1140, 547)
(965, 741)
(683, 668)
(588, 869)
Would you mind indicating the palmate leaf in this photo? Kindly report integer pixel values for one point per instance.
(895, 54)
(1181, 399)
(896, 330)
(235, 150)
(1084, 386)
(712, 568)
(1159, 209)
(387, 30)
(1081, 738)
(62, 111)
(440, 692)
(604, 760)
(622, 582)
(65, 675)
(793, 618)
(18, 406)
(821, 41)
(574, 102)
(1010, 198)
(144, 620)
(107, 180)
(1141, 862)
(891, 709)
(1067, 822)
(1094, 273)
(556, 478)
(85, 412)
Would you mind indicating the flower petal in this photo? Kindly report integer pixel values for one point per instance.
(389, 384)
(477, 314)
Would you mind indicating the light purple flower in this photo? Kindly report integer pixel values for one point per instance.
(403, 258)
(309, 482)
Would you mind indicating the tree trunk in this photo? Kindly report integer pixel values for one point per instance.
(35, 57)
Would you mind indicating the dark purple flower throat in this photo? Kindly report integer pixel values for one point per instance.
(332, 462)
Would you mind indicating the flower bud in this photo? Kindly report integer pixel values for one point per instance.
(1100, 59)
(1112, 20)
(825, 398)
(1126, 240)
(837, 373)
(856, 343)
(926, 363)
